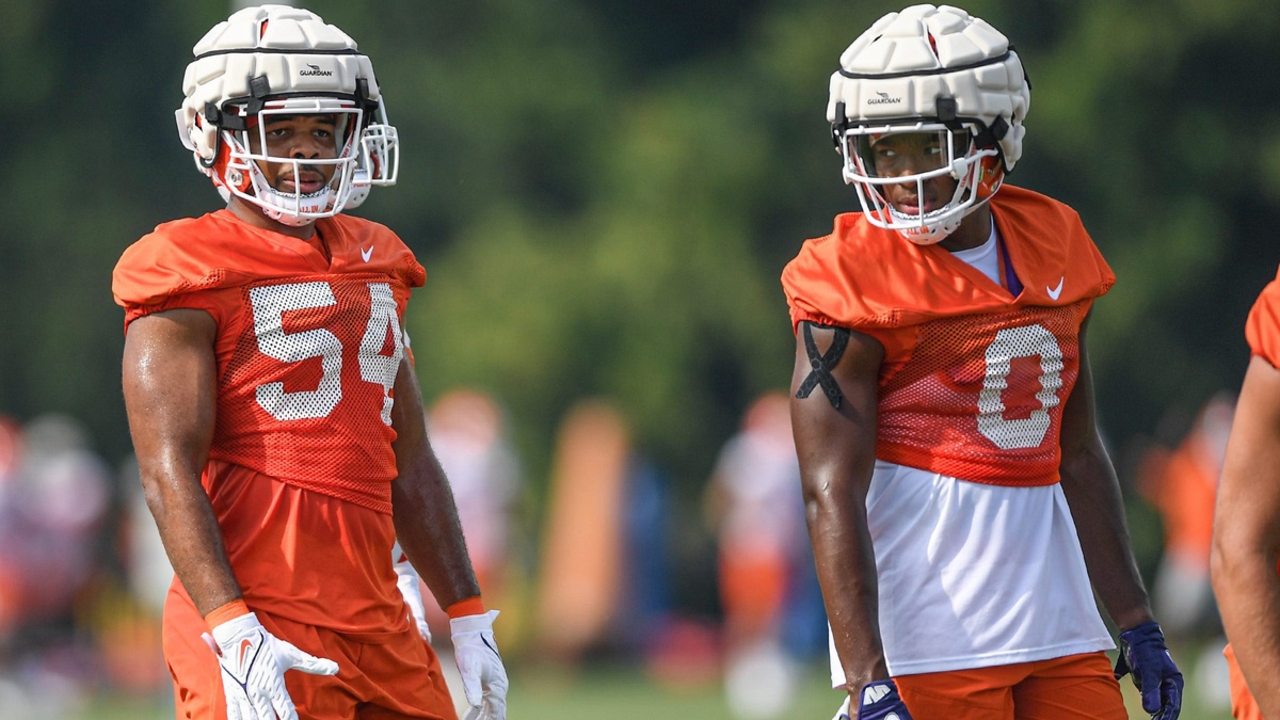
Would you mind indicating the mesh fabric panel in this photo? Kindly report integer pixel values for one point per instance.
(980, 397)
(304, 396)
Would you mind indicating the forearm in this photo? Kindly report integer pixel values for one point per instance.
(426, 518)
(426, 521)
(847, 573)
(1248, 589)
(192, 540)
(1097, 507)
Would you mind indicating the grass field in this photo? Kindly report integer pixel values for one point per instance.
(619, 694)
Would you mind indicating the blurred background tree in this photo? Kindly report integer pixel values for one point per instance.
(604, 193)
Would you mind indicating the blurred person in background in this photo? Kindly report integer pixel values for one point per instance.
(274, 408)
(603, 586)
(764, 556)
(959, 498)
(1246, 527)
(54, 496)
(1181, 484)
(469, 435)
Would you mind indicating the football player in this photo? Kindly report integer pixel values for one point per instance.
(959, 498)
(1246, 537)
(274, 410)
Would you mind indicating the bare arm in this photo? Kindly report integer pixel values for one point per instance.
(426, 518)
(836, 446)
(170, 391)
(1246, 535)
(1093, 491)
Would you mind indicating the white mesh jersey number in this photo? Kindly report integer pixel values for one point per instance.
(269, 305)
(1010, 343)
(375, 367)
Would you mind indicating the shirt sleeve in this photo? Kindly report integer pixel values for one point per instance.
(1262, 329)
(214, 302)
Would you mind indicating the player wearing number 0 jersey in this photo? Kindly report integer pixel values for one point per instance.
(274, 410)
(970, 388)
(959, 499)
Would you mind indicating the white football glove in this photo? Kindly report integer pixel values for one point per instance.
(484, 679)
(253, 666)
(411, 588)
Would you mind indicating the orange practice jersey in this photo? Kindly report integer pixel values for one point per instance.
(1262, 329)
(307, 349)
(973, 380)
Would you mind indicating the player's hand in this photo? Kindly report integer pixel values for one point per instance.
(1143, 652)
(253, 666)
(878, 700)
(484, 679)
(411, 588)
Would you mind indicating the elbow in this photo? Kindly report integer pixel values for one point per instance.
(825, 497)
(1238, 562)
(1219, 566)
(153, 492)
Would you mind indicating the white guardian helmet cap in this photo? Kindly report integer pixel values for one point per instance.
(929, 70)
(280, 60)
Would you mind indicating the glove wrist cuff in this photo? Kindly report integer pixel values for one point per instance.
(462, 608)
(228, 611)
(472, 624)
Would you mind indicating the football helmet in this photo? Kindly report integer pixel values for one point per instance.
(943, 83)
(277, 60)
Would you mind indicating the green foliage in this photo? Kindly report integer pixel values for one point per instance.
(604, 193)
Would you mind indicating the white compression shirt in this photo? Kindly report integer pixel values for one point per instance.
(975, 575)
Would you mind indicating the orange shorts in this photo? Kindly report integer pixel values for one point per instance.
(1243, 706)
(394, 680)
(1076, 687)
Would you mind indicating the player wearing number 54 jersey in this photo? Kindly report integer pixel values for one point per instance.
(959, 498)
(274, 410)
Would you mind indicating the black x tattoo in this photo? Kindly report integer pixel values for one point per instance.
(823, 365)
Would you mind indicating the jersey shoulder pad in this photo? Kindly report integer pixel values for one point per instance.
(1056, 260)
(368, 246)
(1262, 329)
(177, 257)
(865, 278)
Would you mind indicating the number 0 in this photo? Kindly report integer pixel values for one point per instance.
(1010, 343)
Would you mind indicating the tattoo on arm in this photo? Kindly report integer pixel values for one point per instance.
(822, 364)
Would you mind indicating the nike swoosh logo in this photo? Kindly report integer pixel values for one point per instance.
(366, 254)
(245, 646)
(1055, 292)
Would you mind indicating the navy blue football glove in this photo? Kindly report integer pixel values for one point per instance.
(879, 701)
(1143, 652)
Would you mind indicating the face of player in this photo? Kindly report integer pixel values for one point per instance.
(299, 137)
(906, 155)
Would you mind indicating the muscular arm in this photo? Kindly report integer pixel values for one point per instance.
(426, 518)
(1246, 535)
(170, 391)
(1093, 492)
(836, 447)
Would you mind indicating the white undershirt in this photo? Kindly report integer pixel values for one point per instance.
(974, 575)
(985, 258)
